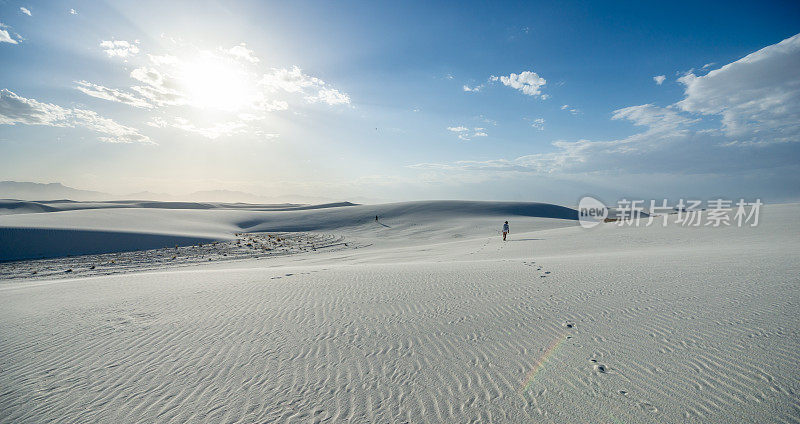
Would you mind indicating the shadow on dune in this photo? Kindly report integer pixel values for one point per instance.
(14, 207)
(35, 243)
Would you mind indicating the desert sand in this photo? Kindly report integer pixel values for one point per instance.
(423, 316)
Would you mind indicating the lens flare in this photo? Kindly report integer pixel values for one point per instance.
(554, 345)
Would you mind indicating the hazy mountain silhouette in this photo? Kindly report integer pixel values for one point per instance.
(23, 190)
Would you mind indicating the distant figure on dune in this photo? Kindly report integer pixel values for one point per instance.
(505, 230)
(376, 218)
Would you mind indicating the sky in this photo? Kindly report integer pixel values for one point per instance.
(392, 101)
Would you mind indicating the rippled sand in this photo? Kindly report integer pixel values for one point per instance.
(559, 324)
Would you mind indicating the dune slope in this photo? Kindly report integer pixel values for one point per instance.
(559, 324)
(75, 228)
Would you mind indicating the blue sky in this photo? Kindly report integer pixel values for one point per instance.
(352, 100)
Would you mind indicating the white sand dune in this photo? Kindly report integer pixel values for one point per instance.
(434, 319)
(90, 227)
(12, 206)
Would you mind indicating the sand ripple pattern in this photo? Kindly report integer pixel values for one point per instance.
(517, 340)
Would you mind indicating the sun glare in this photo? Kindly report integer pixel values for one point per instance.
(214, 83)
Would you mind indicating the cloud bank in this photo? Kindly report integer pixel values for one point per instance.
(16, 109)
(227, 80)
(742, 116)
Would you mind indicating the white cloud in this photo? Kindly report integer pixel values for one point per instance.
(464, 132)
(119, 48)
(242, 52)
(659, 79)
(538, 123)
(219, 129)
(330, 96)
(295, 81)
(25, 11)
(474, 89)
(73, 12)
(631, 153)
(757, 96)
(289, 80)
(160, 90)
(736, 119)
(569, 109)
(111, 94)
(149, 76)
(487, 120)
(15, 109)
(5, 37)
(654, 117)
(527, 82)
(114, 132)
(159, 95)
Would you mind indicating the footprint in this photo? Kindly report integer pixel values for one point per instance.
(568, 324)
(648, 407)
(602, 369)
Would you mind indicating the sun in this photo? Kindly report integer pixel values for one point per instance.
(212, 82)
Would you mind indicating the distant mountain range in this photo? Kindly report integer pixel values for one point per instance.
(57, 191)
(51, 191)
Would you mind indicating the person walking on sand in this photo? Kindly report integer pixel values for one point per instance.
(505, 230)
